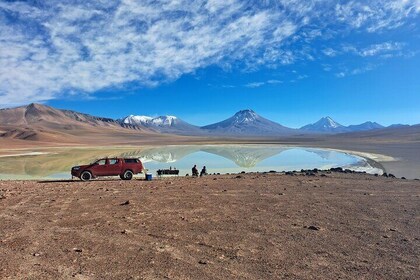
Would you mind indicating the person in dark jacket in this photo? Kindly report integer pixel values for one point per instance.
(194, 170)
(203, 171)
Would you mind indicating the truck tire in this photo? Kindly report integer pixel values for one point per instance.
(85, 176)
(127, 175)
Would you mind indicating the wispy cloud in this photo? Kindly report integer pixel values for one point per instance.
(330, 52)
(274, 82)
(48, 49)
(378, 15)
(381, 48)
(355, 71)
(255, 84)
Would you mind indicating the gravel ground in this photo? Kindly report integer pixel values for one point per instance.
(242, 226)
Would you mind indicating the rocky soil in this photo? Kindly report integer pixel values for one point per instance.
(242, 226)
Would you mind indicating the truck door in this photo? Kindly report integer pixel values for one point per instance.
(114, 166)
(100, 167)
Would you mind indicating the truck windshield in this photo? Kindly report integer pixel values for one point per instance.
(100, 162)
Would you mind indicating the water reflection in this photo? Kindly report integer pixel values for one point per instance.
(243, 156)
(56, 163)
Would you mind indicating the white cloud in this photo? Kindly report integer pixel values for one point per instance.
(330, 52)
(381, 48)
(263, 83)
(355, 71)
(274, 82)
(384, 49)
(56, 47)
(255, 84)
(376, 15)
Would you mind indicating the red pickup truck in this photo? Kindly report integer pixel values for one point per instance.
(124, 167)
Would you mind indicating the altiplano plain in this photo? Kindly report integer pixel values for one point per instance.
(247, 226)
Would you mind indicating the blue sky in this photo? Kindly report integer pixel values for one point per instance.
(291, 61)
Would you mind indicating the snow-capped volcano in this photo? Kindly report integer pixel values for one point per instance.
(325, 125)
(166, 124)
(247, 122)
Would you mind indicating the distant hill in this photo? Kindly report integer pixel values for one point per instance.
(398, 125)
(396, 133)
(164, 124)
(248, 123)
(365, 126)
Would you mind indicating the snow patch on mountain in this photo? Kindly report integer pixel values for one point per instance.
(149, 121)
(164, 120)
(245, 116)
(132, 119)
(329, 122)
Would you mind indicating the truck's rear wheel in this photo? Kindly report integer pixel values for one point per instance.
(128, 175)
(85, 176)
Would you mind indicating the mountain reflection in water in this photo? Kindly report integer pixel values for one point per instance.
(56, 163)
(243, 156)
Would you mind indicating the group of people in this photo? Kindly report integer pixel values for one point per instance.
(194, 171)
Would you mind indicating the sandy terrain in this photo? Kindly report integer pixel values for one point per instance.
(247, 226)
(406, 155)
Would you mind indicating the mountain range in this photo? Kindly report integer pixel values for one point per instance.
(163, 124)
(247, 123)
(328, 125)
(40, 122)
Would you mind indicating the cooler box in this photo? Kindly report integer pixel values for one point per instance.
(148, 177)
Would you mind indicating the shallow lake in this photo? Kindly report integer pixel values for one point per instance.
(55, 163)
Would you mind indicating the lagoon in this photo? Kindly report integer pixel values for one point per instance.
(55, 163)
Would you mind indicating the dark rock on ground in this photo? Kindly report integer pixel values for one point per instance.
(314, 228)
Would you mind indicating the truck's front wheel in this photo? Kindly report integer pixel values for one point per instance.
(85, 176)
(128, 175)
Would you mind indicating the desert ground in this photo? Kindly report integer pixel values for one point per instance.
(238, 226)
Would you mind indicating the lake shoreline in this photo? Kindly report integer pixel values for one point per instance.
(224, 158)
(405, 152)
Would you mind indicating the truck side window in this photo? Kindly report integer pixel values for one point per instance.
(101, 162)
(113, 161)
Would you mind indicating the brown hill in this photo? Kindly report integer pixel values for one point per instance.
(38, 122)
(46, 116)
